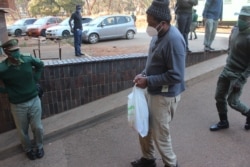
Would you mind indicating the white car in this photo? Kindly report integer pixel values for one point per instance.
(20, 26)
(62, 30)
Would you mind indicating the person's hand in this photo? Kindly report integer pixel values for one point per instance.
(71, 29)
(236, 85)
(140, 81)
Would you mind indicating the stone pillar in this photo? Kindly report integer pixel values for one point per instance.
(3, 28)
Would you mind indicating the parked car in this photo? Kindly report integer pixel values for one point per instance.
(39, 27)
(109, 27)
(19, 27)
(62, 30)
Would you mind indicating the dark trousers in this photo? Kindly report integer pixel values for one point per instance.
(77, 41)
(183, 22)
(225, 95)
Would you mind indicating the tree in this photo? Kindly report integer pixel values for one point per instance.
(69, 6)
(43, 7)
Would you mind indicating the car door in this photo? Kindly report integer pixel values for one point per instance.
(52, 21)
(28, 22)
(107, 29)
(121, 26)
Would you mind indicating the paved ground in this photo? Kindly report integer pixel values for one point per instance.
(50, 49)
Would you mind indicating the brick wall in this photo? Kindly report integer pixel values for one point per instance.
(74, 82)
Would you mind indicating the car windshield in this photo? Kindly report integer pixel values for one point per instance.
(19, 22)
(65, 22)
(95, 21)
(40, 21)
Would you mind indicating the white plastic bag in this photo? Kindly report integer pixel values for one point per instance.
(138, 111)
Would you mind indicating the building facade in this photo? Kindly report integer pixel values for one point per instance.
(6, 6)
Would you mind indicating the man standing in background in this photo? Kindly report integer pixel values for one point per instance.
(183, 13)
(76, 17)
(211, 14)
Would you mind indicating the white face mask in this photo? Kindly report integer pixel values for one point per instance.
(151, 31)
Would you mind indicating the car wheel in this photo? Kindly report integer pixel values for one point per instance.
(93, 38)
(18, 33)
(43, 33)
(65, 34)
(130, 34)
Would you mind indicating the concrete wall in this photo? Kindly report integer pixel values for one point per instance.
(74, 82)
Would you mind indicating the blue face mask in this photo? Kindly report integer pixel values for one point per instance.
(243, 25)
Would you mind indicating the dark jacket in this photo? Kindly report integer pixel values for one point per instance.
(77, 18)
(213, 9)
(185, 6)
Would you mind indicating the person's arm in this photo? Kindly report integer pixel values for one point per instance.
(221, 13)
(38, 68)
(70, 23)
(245, 74)
(207, 5)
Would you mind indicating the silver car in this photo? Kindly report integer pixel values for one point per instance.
(20, 26)
(109, 27)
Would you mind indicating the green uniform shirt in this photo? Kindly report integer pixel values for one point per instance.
(20, 80)
(238, 60)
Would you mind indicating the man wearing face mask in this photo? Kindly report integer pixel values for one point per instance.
(76, 17)
(19, 74)
(235, 73)
(163, 77)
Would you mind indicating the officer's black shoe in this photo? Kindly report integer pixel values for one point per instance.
(31, 155)
(143, 162)
(247, 125)
(173, 166)
(40, 153)
(220, 125)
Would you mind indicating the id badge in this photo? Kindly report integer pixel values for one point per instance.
(164, 88)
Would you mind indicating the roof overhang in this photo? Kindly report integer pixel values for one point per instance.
(6, 10)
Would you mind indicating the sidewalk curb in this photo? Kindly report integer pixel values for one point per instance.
(100, 110)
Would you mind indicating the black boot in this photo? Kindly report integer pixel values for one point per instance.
(195, 36)
(223, 124)
(247, 125)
